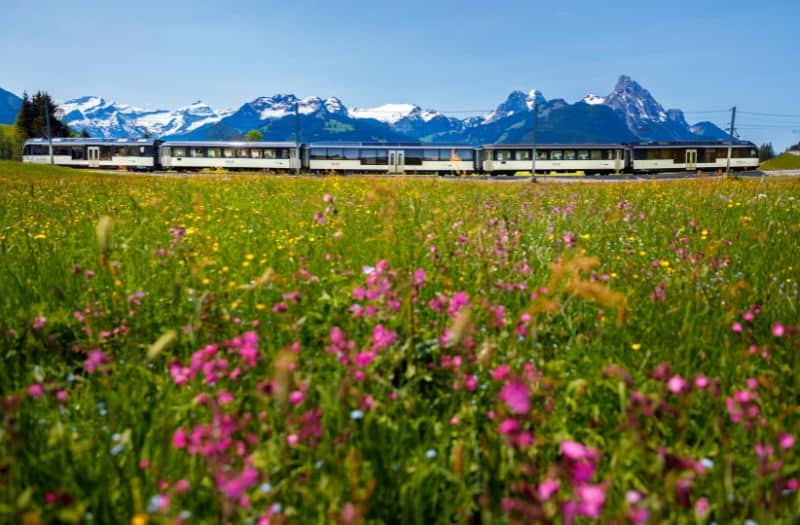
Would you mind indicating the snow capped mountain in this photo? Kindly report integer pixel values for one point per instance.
(393, 113)
(593, 100)
(516, 102)
(109, 119)
(628, 113)
(9, 106)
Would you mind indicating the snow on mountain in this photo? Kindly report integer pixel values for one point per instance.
(110, 119)
(516, 102)
(593, 100)
(393, 113)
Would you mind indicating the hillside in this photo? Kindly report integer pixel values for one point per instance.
(786, 161)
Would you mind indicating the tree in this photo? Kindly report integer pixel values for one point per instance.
(32, 117)
(253, 136)
(765, 152)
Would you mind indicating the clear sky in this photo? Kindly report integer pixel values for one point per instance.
(695, 55)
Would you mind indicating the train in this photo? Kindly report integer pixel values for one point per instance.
(391, 157)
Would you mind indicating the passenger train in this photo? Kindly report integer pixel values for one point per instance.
(391, 158)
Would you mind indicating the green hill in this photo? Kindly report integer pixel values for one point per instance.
(785, 161)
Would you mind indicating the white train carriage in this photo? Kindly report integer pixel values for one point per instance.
(508, 159)
(393, 158)
(196, 155)
(133, 154)
(708, 156)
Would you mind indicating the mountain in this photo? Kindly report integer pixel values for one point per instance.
(102, 119)
(629, 113)
(9, 106)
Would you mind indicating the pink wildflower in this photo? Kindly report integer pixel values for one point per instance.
(786, 441)
(62, 396)
(38, 323)
(590, 500)
(676, 384)
(35, 390)
(701, 507)
(382, 338)
(547, 488)
(777, 330)
(224, 397)
(501, 372)
(736, 328)
(96, 359)
(516, 396)
(179, 439)
(419, 277)
(508, 426)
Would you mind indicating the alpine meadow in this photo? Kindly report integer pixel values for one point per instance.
(259, 349)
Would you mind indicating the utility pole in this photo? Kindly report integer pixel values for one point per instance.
(297, 138)
(535, 125)
(730, 144)
(49, 133)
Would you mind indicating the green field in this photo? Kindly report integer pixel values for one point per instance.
(254, 349)
(785, 161)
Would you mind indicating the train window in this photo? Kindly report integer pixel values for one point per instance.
(583, 154)
(335, 154)
(106, 152)
(242, 153)
(596, 154)
(317, 153)
(61, 150)
(368, 156)
(431, 154)
(283, 153)
(382, 156)
(178, 151)
(522, 154)
(556, 154)
(269, 153)
(502, 154)
(569, 154)
(214, 153)
(78, 152)
(466, 154)
(119, 151)
(611, 154)
(197, 152)
(447, 154)
(256, 153)
(351, 154)
(413, 157)
(542, 154)
(228, 153)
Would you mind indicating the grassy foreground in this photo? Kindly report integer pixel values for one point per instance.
(279, 350)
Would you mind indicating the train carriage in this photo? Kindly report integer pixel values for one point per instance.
(134, 154)
(708, 156)
(391, 158)
(508, 159)
(196, 155)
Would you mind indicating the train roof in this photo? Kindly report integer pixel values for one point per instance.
(229, 144)
(552, 146)
(92, 142)
(693, 144)
(412, 145)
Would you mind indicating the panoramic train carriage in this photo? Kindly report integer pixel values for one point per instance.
(710, 156)
(508, 159)
(134, 154)
(395, 158)
(196, 155)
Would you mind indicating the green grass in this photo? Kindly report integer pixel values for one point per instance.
(621, 317)
(784, 161)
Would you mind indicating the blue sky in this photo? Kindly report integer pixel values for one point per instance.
(695, 55)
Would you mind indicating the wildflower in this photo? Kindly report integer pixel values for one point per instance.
(38, 323)
(292, 439)
(508, 426)
(139, 519)
(61, 396)
(515, 394)
(356, 414)
(471, 382)
(736, 328)
(636, 346)
(182, 485)
(296, 397)
(419, 277)
(179, 440)
(224, 397)
(786, 441)
(777, 330)
(501, 372)
(35, 390)
(590, 500)
(382, 338)
(701, 382)
(96, 359)
(676, 384)
(701, 507)
(547, 488)
(430, 453)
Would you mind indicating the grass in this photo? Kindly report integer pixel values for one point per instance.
(332, 350)
(784, 161)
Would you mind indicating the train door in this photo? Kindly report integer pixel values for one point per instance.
(93, 154)
(397, 161)
(691, 159)
(618, 161)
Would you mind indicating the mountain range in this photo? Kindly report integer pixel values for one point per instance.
(629, 113)
(9, 106)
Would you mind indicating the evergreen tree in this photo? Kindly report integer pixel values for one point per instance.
(32, 117)
(765, 152)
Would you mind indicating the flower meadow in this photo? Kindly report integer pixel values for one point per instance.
(254, 349)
